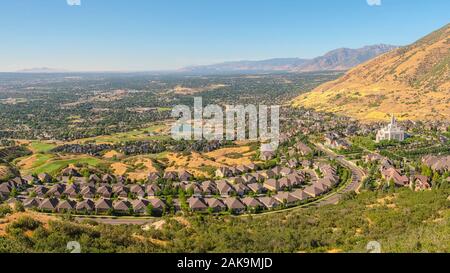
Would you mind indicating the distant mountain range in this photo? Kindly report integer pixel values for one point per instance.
(412, 82)
(339, 59)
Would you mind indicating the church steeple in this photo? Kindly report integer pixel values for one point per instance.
(393, 121)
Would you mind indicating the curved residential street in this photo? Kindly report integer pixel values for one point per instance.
(358, 175)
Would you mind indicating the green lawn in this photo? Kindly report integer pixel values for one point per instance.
(41, 159)
(41, 147)
(53, 167)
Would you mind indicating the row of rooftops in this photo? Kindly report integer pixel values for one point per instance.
(389, 172)
(90, 205)
(140, 206)
(437, 163)
(60, 196)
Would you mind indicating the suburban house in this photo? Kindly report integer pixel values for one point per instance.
(57, 190)
(31, 203)
(70, 172)
(241, 189)
(197, 204)
(284, 183)
(256, 188)
(122, 206)
(215, 204)
(420, 182)
(185, 176)
(45, 178)
(272, 185)
(296, 179)
(158, 205)
(259, 177)
(49, 204)
(242, 169)
(268, 174)
(105, 191)
(269, 202)
(140, 206)
(303, 149)
(393, 174)
(248, 178)
(234, 204)
(313, 191)
(172, 176)
(138, 190)
(286, 198)
(107, 178)
(286, 171)
(224, 188)
(252, 167)
(38, 190)
(86, 206)
(103, 205)
(88, 192)
(300, 195)
(251, 202)
(267, 155)
(153, 177)
(209, 188)
(223, 172)
(94, 178)
(152, 189)
(66, 205)
(72, 190)
(5, 190)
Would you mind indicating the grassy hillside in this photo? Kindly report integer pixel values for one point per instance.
(413, 82)
(402, 221)
(7, 171)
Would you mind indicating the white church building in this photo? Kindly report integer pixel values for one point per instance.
(391, 132)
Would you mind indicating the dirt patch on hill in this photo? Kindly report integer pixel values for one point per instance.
(113, 154)
(27, 163)
(194, 163)
(119, 168)
(232, 156)
(44, 219)
(387, 201)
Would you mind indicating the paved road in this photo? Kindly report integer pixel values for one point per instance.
(118, 221)
(358, 175)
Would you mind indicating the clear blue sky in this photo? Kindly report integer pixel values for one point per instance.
(168, 34)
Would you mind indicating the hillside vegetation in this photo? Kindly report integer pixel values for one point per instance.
(401, 221)
(413, 82)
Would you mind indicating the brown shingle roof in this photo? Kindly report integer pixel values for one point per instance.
(234, 203)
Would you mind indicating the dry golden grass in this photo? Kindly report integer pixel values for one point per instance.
(27, 163)
(143, 172)
(225, 155)
(136, 168)
(44, 219)
(119, 168)
(411, 82)
(113, 154)
(192, 163)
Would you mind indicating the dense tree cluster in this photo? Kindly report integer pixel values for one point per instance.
(143, 147)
